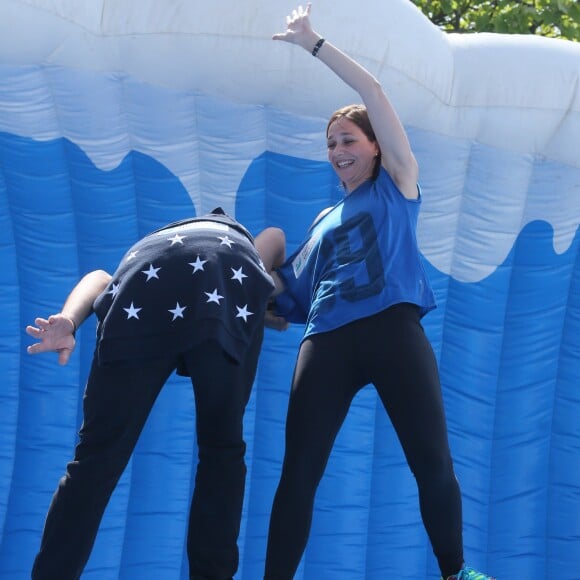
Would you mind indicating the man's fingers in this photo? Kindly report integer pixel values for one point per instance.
(37, 331)
(33, 331)
(35, 348)
(64, 355)
(275, 322)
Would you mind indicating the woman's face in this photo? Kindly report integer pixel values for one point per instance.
(351, 153)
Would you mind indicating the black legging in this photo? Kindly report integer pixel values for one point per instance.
(391, 351)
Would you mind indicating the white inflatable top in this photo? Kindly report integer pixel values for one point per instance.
(518, 92)
(514, 98)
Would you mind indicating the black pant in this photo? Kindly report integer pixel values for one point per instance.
(117, 402)
(391, 351)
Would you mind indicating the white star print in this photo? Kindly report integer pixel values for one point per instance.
(132, 255)
(151, 273)
(197, 265)
(177, 311)
(114, 290)
(238, 275)
(213, 296)
(225, 241)
(243, 312)
(132, 312)
(177, 239)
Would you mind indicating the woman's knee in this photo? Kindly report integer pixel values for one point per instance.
(436, 466)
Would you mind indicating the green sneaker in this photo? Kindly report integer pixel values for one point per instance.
(469, 574)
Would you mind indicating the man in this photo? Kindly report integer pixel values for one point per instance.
(190, 297)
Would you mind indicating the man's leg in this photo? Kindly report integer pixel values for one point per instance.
(222, 388)
(116, 403)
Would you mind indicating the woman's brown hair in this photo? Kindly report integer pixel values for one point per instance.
(359, 116)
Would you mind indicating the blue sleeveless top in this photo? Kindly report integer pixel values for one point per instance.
(358, 260)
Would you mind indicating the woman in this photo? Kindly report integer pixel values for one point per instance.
(358, 284)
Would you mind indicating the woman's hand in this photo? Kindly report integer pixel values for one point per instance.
(55, 335)
(299, 31)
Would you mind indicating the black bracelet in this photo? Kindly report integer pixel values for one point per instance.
(317, 47)
(74, 332)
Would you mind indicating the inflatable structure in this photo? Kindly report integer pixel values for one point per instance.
(118, 117)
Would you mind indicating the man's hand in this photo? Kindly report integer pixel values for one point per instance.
(55, 335)
(271, 320)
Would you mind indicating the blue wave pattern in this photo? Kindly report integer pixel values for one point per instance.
(508, 348)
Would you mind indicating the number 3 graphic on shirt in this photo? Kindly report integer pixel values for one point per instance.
(360, 230)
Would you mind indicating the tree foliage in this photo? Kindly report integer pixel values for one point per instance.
(554, 18)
